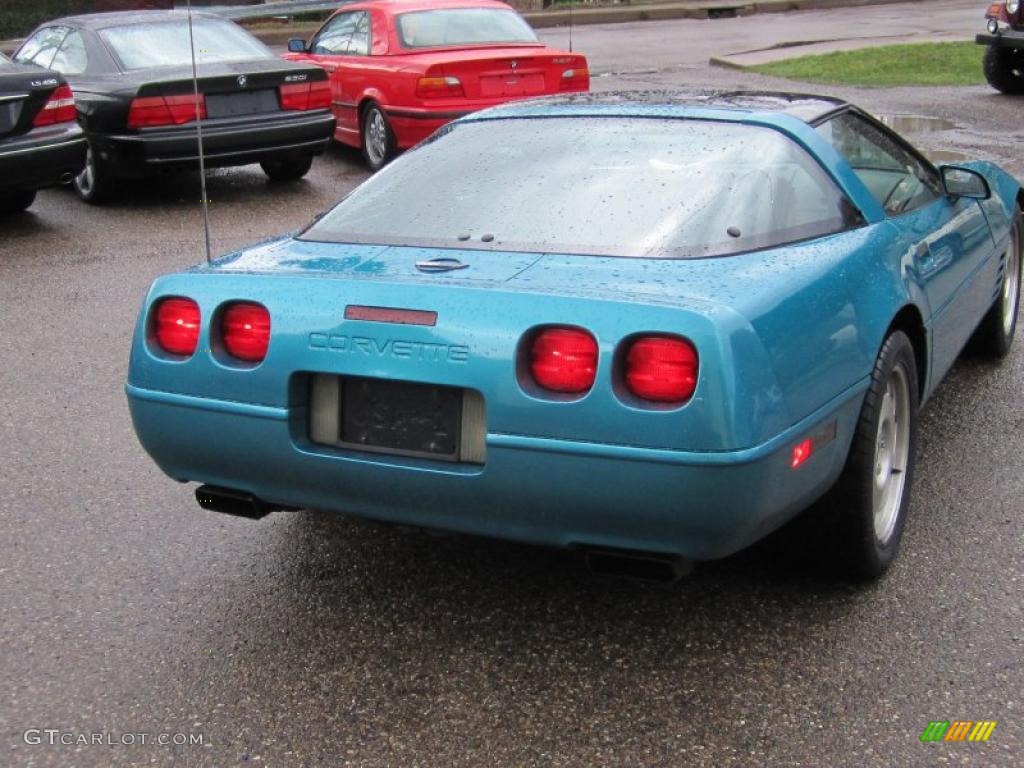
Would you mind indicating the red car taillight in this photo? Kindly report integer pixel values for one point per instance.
(439, 88)
(576, 79)
(662, 369)
(176, 326)
(149, 111)
(304, 96)
(245, 329)
(564, 360)
(59, 108)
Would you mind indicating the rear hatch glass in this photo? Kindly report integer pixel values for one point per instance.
(654, 188)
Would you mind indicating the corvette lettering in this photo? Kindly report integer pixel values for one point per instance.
(400, 348)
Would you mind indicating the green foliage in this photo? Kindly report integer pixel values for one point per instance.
(19, 17)
(913, 64)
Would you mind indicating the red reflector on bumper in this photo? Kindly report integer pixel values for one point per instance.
(801, 452)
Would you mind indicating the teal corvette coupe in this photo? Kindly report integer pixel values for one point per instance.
(653, 326)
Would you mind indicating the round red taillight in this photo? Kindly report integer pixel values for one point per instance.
(564, 360)
(176, 326)
(245, 329)
(662, 369)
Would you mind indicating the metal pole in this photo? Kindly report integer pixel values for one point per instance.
(199, 136)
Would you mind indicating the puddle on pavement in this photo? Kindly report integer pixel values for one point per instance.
(915, 123)
(945, 155)
(911, 124)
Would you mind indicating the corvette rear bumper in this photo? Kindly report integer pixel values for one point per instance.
(699, 505)
(226, 142)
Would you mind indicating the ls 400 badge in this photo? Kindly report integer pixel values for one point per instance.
(399, 348)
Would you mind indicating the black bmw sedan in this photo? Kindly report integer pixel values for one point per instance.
(132, 78)
(41, 143)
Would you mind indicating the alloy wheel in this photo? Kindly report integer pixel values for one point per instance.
(376, 136)
(87, 178)
(1011, 282)
(892, 453)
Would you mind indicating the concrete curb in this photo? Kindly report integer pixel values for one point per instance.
(695, 9)
(792, 50)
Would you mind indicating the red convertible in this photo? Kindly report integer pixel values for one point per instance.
(400, 69)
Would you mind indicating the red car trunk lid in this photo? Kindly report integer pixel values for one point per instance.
(508, 72)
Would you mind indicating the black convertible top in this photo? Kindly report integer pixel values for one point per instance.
(96, 21)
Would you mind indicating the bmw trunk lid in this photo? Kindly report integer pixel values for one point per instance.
(513, 72)
(230, 88)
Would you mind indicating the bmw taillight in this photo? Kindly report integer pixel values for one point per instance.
(150, 111)
(59, 108)
(439, 88)
(576, 79)
(176, 326)
(662, 369)
(564, 360)
(305, 96)
(245, 331)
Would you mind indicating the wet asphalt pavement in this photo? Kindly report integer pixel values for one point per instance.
(308, 639)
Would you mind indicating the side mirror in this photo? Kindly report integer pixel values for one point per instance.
(963, 182)
(296, 45)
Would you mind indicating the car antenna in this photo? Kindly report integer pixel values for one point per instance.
(199, 134)
(571, 4)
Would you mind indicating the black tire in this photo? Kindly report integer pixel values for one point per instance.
(994, 336)
(94, 184)
(1004, 69)
(376, 137)
(845, 527)
(16, 202)
(289, 166)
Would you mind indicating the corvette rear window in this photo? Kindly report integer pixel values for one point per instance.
(650, 188)
(166, 43)
(463, 26)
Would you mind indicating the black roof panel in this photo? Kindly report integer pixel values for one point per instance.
(122, 18)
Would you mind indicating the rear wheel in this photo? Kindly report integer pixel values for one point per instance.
(93, 184)
(289, 166)
(1004, 69)
(995, 334)
(16, 202)
(377, 138)
(859, 524)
